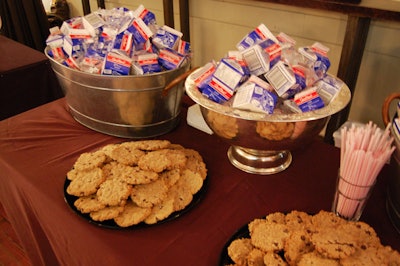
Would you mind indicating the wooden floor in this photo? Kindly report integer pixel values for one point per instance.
(11, 252)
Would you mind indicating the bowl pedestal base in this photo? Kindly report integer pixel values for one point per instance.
(259, 161)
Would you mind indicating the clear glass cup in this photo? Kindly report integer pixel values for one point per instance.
(350, 199)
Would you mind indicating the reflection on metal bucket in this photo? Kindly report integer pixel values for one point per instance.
(123, 106)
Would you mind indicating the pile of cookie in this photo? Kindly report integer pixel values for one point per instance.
(136, 182)
(297, 238)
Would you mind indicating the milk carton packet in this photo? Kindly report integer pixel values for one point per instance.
(92, 64)
(75, 29)
(141, 32)
(123, 43)
(261, 57)
(170, 59)
(116, 20)
(57, 53)
(56, 37)
(316, 58)
(203, 76)
(116, 64)
(217, 91)
(167, 37)
(255, 59)
(238, 57)
(290, 106)
(183, 47)
(72, 46)
(300, 75)
(272, 51)
(92, 23)
(255, 95)
(308, 100)
(281, 78)
(328, 88)
(71, 63)
(230, 73)
(146, 64)
(147, 16)
(259, 34)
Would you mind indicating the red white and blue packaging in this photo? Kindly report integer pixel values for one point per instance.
(167, 37)
(230, 72)
(170, 59)
(255, 95)
(123, 43)
(203, 76)
(146, 64)
(57, 53)
(141, 32)
(328, 88)
(259, 34)
(92, 22)
(116, 64)
(316, 57)
(308, 100)
(217, 91)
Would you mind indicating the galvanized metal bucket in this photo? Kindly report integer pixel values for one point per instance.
(124, 106)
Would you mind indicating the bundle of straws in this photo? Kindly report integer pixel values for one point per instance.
(364, 152)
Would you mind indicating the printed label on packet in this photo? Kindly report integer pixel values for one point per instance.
(124, 42)
(328, 88)
(167, 37)
(141, 32)
(72, 46)
(256, 60)
(308, 100)
(55, 40)
(183, 47)
(116, 64)
(203, 75)
(147, 16)
(146, 64)
(238, 57)
(280, 78)
(170, 59)
(92, 22)
(255, 95)
(74, 28)
(217, 91)
(299, 73)
(229, 72)
(257, 35)
(272, 51)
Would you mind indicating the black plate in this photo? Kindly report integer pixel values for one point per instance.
(243, 232)
(112, 225)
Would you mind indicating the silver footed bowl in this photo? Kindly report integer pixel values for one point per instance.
(261, 143)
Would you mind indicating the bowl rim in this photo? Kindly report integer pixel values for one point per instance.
(338, 103)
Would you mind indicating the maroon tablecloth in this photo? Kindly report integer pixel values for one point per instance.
(38, 147)
(26, 78)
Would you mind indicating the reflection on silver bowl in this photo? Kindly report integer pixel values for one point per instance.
(261, 143)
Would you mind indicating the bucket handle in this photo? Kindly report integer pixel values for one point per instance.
(386, 105)
(178, 79)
